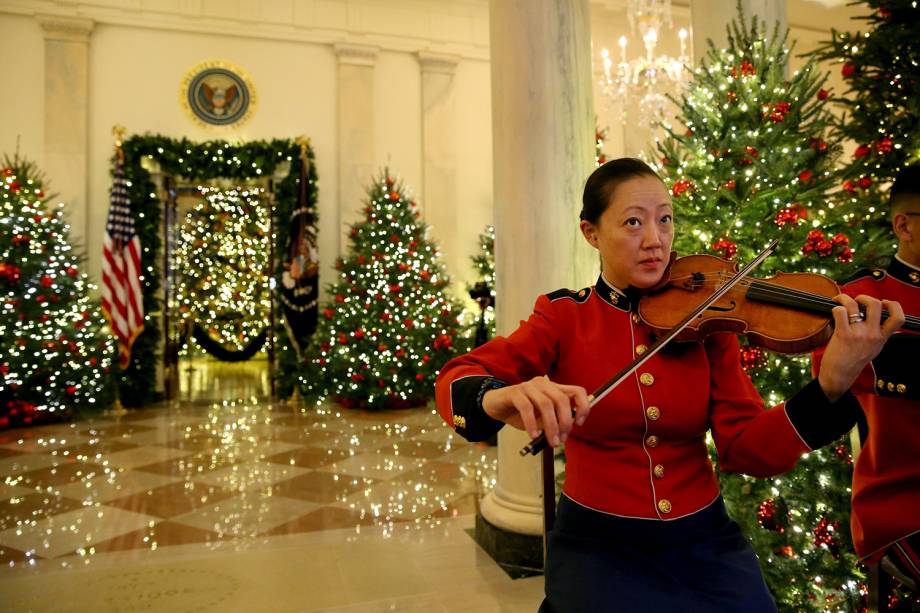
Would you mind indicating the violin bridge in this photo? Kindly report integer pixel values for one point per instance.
(695, 281)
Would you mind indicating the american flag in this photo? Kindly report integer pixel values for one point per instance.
(121, 271)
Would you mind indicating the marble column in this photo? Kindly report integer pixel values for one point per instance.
(709, 19)
(355, 118)
(543, 150)
(66, 155)
(439, 158)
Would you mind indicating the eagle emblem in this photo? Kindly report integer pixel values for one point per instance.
(218, 94)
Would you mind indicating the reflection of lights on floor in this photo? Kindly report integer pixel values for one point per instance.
(224, 468)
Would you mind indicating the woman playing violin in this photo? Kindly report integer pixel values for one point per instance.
(641, 524)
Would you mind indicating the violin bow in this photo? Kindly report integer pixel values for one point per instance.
(537, 444)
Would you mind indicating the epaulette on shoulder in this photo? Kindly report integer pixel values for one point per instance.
(874, 273)
(576, 295)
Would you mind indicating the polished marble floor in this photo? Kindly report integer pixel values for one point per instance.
(225, 501)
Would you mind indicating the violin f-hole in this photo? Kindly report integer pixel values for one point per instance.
(723, 309)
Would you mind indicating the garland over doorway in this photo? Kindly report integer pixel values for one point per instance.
(207, 161)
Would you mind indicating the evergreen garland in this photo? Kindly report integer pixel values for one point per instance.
(199, 161)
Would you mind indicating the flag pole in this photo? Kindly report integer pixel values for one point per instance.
(118, 410)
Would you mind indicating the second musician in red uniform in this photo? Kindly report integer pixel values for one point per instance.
(886, 479)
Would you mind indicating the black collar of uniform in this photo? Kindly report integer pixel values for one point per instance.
(625, 301)
(904, 272)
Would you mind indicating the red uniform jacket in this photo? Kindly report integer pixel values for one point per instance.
(642, 451)
(886, 479)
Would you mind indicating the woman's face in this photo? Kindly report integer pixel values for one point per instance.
(634, 233)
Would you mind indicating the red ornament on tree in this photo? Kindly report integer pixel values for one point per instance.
(725, 247)
(767, 516)
(848, 69)
(752, 357)
(864, 182)
(862, 151)
(681, 186)
(805, 176)
(824, 248)
(884, 145)
(843, 453)
(443, 342)
(823, 94)
(824, 534)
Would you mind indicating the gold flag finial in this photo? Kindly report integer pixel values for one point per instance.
(304, 142)
(119, 132)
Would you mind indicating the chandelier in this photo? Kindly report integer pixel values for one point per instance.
(646, 81)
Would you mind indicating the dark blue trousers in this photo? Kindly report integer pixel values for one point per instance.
(699, 563)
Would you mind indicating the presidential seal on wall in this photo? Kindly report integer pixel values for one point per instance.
(217, 94)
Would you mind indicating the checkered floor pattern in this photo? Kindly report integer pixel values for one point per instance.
(203, 472)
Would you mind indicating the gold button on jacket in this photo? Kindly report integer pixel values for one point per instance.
(664, 505)
(646, 378)
(653, 413)
(640, 349)
(652, 441)
(659, 471)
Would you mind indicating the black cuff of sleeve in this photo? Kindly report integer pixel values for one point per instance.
(470, 420)
(819, 421)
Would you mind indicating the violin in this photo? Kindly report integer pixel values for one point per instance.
(788, 313)
(701, 295)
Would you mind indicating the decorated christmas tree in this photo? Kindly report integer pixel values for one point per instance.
(55, 356)
(753, 163)
(483, 291)
(389, 324)
(223, 288)
(881, 116)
